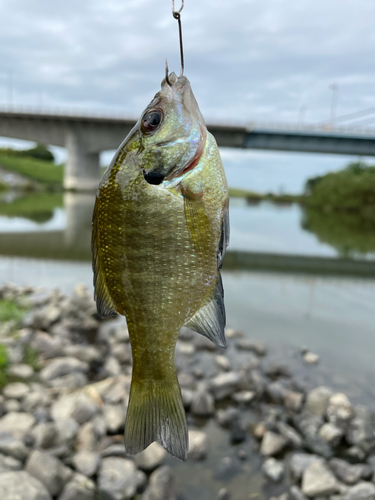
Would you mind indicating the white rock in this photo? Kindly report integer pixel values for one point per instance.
(161, 485)
(8, 464)
(18, 423)
(317, 400)
(273, 469)
(151, 457)
(244, 397)
(117, 478)
(16, 390)
(311, 358)
(79, 405)
(272, 443)
(331, 433)
(198, 445)
(361, 491)
(20, 485)
(79, 488)
(21, 371)
(86, 462)
(318, 480)
(222, 362)
(114, 417)
(225, 384)
(59, 367)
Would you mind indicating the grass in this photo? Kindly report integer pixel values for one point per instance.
(30, 357)
(4, 363)
(36, 170)
(10, 310)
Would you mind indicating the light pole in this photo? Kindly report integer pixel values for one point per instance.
(335, 90)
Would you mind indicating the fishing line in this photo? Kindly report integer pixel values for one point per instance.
(177, 15)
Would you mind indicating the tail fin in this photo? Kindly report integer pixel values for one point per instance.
(156, 413)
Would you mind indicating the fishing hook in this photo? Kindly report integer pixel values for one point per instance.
(177, 15)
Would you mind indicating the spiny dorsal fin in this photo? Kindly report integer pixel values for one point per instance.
(104, 302)
(210, 319)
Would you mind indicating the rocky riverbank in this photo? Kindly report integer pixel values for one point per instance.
(66, 377)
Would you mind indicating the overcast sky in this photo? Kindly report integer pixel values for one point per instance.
(246, 59)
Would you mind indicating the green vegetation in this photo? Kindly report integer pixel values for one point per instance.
(41, 171)
(351, 190)
(4, 363)
(37, 207)
(349, 233)
(10, 310)
(30, 357)
(38, 152)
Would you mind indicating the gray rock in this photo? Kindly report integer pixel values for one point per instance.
(78, 405)
(361, 491)
(318, 480)
(13, 447)
(151, 458)
(44, 435)
(225, 384)
(273, 469)
(117, 479)
(331, 433)
(237, 431)
(294, 439)
(223, 494)
(296, 494)
(59, 367)
(355, 454)
(17, 423)
(227, 469)
(276, 391)
(16, 390)
(350, 474)
(272, 444)
(339, 409)
(21, 371)
(66, 431)
(86, 438)
(360, 429)
(115, 418)
(226, 416)
(46, 316)
(243, 397)
(87, 353)
(161, 486)
(8, 464)
(79, 488)
(187, 397)
(12, 405)
(308, 424)
(114, 450)
(19, 485)
(248, 345)
(70, 381)
(223, 363)
(49, 470)
(293, 400)
(202, 403)
(46, 345)
(317, 400)
(112, 367)
(185, 348)
(86, 462)
(32, 401)
(198, 445)
(299, 462)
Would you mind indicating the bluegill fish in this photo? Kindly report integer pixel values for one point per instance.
(160, 230)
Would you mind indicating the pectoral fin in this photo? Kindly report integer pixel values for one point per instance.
(210, 319)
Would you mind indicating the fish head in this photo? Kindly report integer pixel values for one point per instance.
(172, 132)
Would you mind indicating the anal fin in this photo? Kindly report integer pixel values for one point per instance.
(210, 319)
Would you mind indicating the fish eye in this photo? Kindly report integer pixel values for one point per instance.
(151, 120)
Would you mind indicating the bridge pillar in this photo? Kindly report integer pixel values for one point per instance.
(82, 169)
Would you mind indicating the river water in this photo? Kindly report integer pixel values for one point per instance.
(45, 242)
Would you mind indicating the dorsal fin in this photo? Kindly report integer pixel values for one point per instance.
(104, 302)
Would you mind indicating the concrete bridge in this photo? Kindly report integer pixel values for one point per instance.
(85, 136)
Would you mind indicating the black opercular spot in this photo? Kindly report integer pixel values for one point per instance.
(151, 120)
(153, 178)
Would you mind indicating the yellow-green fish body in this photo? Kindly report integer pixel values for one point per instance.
(160, 230)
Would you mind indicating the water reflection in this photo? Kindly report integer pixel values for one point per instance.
(349, 233)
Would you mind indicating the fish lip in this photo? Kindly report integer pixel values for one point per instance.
(194, 161)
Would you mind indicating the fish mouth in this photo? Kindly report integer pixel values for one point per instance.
(194, 161)
(153, 178)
